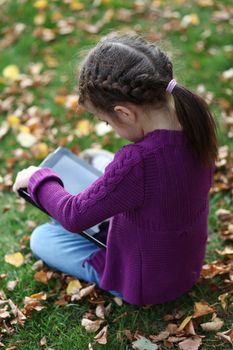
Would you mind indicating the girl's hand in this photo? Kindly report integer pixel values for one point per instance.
(23, 177)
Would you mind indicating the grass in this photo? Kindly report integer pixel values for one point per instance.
(61, 325)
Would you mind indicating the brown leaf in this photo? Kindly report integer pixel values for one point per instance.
(192, 343)
(101, 337)
(91, 326)
(202, 308)
(214, 325)
(228, 335)
(222, 298)
(41, 276)
(161, 336)
(214, 268)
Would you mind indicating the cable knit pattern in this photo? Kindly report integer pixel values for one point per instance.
(115, 173)
(155, 193)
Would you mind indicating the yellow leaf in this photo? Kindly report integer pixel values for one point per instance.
(25, 129)
(13, 119)
(11, 72)
(76, 5)
(184, 323)
(191, 19)
(60, 99)
(41, 4)
(73, 287)
(84, 127)
(40, 150)
(108, 15)
(39, 19)
(202, 308)
(15, 259)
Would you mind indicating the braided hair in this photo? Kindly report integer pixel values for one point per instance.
(128, 68)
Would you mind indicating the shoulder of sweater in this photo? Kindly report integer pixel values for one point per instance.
(126, 157)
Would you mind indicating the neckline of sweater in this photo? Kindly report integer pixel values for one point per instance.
(162, 131)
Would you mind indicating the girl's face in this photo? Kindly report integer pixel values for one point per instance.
(123, 124)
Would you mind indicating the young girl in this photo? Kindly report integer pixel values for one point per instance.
(155, 190)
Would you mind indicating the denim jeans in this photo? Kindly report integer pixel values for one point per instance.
(65, 251)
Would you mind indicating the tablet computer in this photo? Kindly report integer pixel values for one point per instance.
(76, 175)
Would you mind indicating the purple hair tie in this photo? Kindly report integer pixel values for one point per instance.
(171, 85)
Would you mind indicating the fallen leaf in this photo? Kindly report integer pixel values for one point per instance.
(192, 343)
(144, 344)
(91, 326)
(15, 259)
(73, 287)
(4, 127)
(43, 341)
(26, 139)
(202, 308)
(41, 276)
(228, 335)
(222, 298)
(214, 325)
(161, 336)
(11, 72)
(101, 337)
(184, 323)
(41, 4)
(11, 285)
(118, 301)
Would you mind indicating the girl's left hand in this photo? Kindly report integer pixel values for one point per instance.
(23, 177)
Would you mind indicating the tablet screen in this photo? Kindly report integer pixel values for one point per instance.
(75, 177)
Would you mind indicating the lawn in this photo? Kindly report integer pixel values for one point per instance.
(41, 45)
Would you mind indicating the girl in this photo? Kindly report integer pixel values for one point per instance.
(155, 190)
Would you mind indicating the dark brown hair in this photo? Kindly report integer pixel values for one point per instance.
(126, 67)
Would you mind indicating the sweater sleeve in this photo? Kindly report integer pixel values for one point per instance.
(119, 189)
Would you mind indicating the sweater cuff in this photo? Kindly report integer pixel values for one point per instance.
(38, 178)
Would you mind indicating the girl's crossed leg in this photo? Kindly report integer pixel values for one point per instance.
(65, 251)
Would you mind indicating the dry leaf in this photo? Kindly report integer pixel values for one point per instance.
(11, 72)
(118, 301)
(41, 4)
(83, 127)
(228, 335)
(15, 259)
(87, 290)
(41, 276)
(144, 344)
(222, 298)
(192, 343)
(73, 287)
(91, 326)
(161, 336)
(101, 337)
(214, 325)
(184, 323)
(43, 341)
(202, 308)
(11, 285)
(25, 139)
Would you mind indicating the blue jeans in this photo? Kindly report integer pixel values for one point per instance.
(65, 251)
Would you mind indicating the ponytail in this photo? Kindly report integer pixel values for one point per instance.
(199, 125)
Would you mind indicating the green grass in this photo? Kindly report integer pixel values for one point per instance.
(61, 325)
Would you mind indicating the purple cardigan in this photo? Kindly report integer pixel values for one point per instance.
(156, 193)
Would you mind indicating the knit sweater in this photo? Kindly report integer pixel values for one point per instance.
(155, 192)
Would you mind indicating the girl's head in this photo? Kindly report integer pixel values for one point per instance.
(124, 75)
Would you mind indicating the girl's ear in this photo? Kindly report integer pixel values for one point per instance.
(125, 115)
